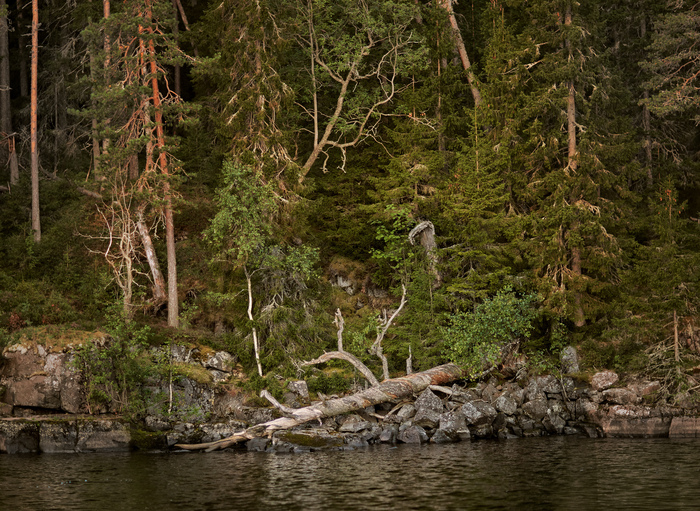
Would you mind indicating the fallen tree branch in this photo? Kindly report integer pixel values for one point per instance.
(284, 409)
(348, 357)
(389, 390)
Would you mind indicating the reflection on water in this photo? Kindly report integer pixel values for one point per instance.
(537, 473)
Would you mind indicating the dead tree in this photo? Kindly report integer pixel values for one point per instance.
(391, 390)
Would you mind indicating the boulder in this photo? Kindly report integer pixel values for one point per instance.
(413, 435)
(646, 427)
(354, 423)
(478, 413)
(506, 404)
(604, 380)
(428, 410)
(102, 435)
(17, 437)
(389, 433)
(299, 389)
(313, 439)
(621, 396)
(220, 361)
(536, 409)
(569, 360)
(684, 427)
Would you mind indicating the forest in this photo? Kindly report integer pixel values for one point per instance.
(429, 181)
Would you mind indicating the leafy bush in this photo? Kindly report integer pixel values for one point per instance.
(475, 339)
(115, 368)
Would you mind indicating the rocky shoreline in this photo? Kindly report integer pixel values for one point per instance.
(42, 405)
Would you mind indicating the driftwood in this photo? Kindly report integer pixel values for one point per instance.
(391, 390)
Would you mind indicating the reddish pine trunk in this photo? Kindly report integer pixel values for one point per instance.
(36, 221)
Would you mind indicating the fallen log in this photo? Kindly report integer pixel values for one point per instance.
(389, 390)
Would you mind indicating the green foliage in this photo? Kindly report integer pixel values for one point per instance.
(244, 220)
(114, 369)
(475, 340)
(333, 383)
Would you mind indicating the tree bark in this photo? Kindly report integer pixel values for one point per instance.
(462, 51)
(36, 220)
(159, 294)
(389, 390)
(256, 345)
(173, 305)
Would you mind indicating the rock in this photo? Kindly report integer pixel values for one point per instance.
(483, 431)
(102, 436)
(506, 404)
(536, 409)
(440, 437)
(413, 435)
(33, 392)
(452, 428)
(647, 388)
(354, 423)
(58, 437)
(604, 380)
(220, 361)
(549, 384)
(300, 389)
(258, 444)
(478, 413)
(684, 427)
(389, 434)
(406, 412)
(621, 396)
(585, 410)
(489, 392)
(314, 439)
(17, 437)
(648, 427)
(516, 392)
(569, 360)
(428, 410)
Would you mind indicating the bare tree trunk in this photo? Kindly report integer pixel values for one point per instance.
(256, 345)
(387, 391)
(159, 294)
(36, 220)
(462, 51)
(173, 305)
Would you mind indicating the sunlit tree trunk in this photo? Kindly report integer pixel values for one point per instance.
(462, 51)
(163, 164)
(36, 221)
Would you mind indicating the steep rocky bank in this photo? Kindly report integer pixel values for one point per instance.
(43, 410)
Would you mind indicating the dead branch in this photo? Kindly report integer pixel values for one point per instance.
(348, 357)
(376, 348)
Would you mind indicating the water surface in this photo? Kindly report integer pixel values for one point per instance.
(537, 473)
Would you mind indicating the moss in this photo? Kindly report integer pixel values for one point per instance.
(193, 372)
(310, 440)
(147, 440)
(54, 337)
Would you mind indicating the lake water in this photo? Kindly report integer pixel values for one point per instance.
(536, 473)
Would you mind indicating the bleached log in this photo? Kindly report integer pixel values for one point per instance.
(388, 391)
